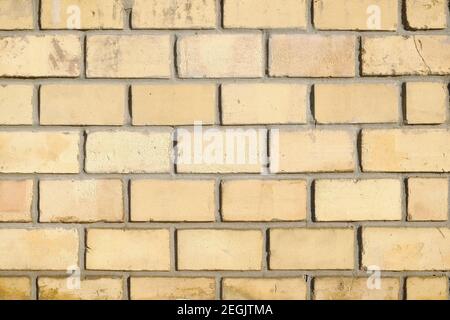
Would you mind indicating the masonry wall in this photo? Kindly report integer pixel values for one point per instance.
(353, 96)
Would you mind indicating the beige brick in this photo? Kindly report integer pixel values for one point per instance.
(134, 250)
(264, 200)
(172, 200)
(299, 55)
(399, 249)
(85, 104)
(345, 288)
(40, 56)
(219, 249)
(16, 200)
(158, 288)
(264, 289)
(16, 104)
(355, 14)
(42, 152)
(311, 249)
(312, 151)
(80, 200)
(358, 200)
(427, 288)
(264, 14)
(356, 103)
(93, 14)
(15, 288)
(130, 56)
(180, 14)
(426, 14)
(38, 249)
(268, 103)
(220, 56)
(406, 55)
(179, 104)
(90, 289)
(428, 199)
(426, 102)
(129, 151)
(397, 150)
(16, 14)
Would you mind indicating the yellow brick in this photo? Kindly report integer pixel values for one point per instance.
(172, 200)
(264, 289)
(312, 151)
(264, 200)
(355, 14)
(158, 288)
(16, 106)
(293, 55)
(427, 288)
(220, 249)
(180, 104)
(428, 199)
(358, 200)
(399, 249)
(43, 152)
(397, 150)
(344, 288)
(40, 56)
(15, 200)
(80, 200)
(38, 249)
(311, 249)
(264, 14)
(15, 288)
(406, 55)
(426, 102)
(90, 289)
(180, 14)
(264, 103)
(16, 14)
(426, 14)
(115, 249)
(129, 151)
(130, 56)
(356, 103)
(84, 104)
(81, 14)
(220, 56)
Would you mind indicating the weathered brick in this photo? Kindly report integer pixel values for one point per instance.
(396, 150)
(40, 56)
(356, 103)
(220, 55)
(264, 200)
(43, 152)
(16, 200)
(264, 14)
(80, 200)
(158, 288)
(426, 14)
(219, 249)
(428, 199)
(180, 104)
(311, 249)
(426, 102)
(38, 249)
(427, 288)
(180, 14)
(85, 104)
(15, 288)
(172, 200)
(264, 103)
(298, 55)
(130, 56)
(16, 104)
(358, 200)
(128, 151)
(16, 14)
(399, 249)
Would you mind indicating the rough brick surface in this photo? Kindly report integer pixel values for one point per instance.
(426, 102)
(16, 14)
(426, 14)
(16, 106)
(427, 288)
(428, 199)
(16, 198)
(15, 288)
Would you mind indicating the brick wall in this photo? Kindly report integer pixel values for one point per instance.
(352, 177)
